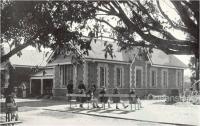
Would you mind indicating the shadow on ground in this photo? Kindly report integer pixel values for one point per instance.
(41, 103)
(59, 115)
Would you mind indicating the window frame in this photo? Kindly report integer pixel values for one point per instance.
(106, 77)
(162, 78)
(65, 77)
(142, 81)
(121, 76)
(179, 83)
(156, 77)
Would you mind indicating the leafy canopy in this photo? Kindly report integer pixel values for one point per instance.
(65, 24)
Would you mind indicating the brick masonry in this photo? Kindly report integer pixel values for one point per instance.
(144, 90)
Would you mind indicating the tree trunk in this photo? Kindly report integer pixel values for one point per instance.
(197, 73)
(6, 57)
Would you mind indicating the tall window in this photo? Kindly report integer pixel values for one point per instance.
(102, 73)
(119, 77)
(179, 78)
(138, 77)
(153, 78)
(102, 76)
(66, 74)
(164, 78)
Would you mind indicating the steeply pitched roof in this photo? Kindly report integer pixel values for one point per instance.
(158, 57)
(29, 58)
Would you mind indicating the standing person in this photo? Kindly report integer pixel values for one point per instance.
(70, 88)
(132, 100)
(92, 95)
(136, 99)
(139, 102)
(82, 90)
(103, 99)
(117, 99)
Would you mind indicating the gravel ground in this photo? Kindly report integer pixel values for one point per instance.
(32, 113)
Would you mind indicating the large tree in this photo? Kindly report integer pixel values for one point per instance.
(49, 24)
(53, 23)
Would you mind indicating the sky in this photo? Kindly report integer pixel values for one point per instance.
(185, 59)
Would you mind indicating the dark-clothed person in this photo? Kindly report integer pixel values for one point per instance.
(81, 99)
(70, 87)
(91, 93)
(81, 86)
(117, 99)
(132, 99)
(104, 99)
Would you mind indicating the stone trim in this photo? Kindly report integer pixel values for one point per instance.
(85, 74)
(61, 76)
(74, 75)
(146, 74)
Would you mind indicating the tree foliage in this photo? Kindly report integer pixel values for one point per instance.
(194, 67)
(130, 23)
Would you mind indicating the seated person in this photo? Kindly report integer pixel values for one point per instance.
(81, 99)
(70, 89)
(132, 100)
(81, 86)
(11, 106)
(103, 99)
(136, 99)
(117, 99)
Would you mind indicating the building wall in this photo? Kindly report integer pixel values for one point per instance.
(57, 77)
(92, 77)
(172, 78)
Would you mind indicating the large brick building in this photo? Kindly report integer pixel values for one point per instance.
(155, 73)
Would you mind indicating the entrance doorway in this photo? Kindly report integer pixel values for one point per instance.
(41, 87)
(36, 87)
(48, 85)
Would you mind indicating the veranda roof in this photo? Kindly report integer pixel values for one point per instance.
(44, 74)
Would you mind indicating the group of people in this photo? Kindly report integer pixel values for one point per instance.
(93, 95)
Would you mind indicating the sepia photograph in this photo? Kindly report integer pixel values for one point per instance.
(99, 63)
